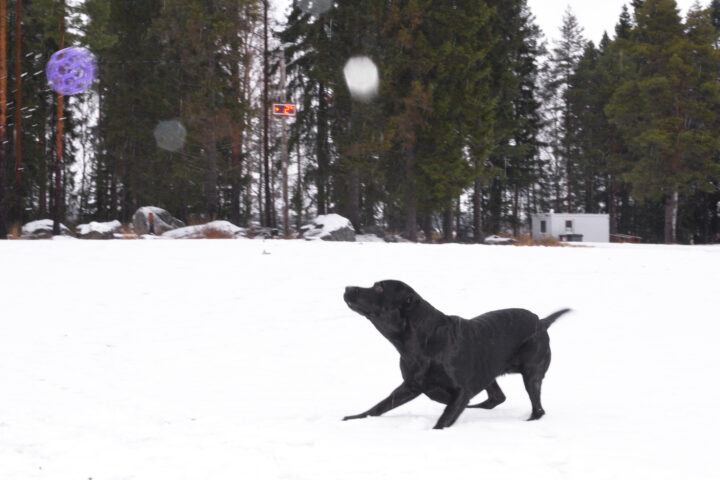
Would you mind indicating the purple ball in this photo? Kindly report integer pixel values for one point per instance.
(71, 70)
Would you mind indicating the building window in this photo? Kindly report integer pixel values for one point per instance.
(543, 226)
(568, 225)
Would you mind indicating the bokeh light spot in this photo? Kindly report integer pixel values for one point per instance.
(170, 135)
(361, 76)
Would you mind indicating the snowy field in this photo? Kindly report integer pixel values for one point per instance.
(236, 359)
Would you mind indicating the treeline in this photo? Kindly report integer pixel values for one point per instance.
(476, 124)
(640, 124)
(190, 62)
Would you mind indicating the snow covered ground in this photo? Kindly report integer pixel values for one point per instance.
(236, 359)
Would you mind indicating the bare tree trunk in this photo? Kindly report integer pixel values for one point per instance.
(410, 197)
(448, 224)
(265, 109)
(368, 207)
(322, 153)
(237, 128)
(671, 211)
(43, 210)
(299, 187)
(354, 200)
(427, 227)
(612, 203)
(236, 175)
(285, 157)
(211, 179)
(516, 212)
(114, 208)
(261, 205)
(569, 186)
(671, 204)
(477, 212)
(57, 211)
(18, 216)
(3, 115)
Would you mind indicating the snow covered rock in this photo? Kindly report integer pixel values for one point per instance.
(162, 220)
(98, 230)
(216, 229)
(332, 227)
(497, 240)
(368, 237)
(395, 238)
(41, 229)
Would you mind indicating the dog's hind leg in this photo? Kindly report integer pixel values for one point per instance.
(400, 396)
(495, 397)
(533, 383)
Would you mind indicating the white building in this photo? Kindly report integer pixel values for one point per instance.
(579, 227)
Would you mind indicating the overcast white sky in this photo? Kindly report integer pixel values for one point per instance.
(595, 16)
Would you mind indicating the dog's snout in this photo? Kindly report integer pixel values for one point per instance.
(351, 294)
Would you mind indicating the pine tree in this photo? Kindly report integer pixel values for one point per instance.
(461, 103)
(408, 100)
(586, 137)
(637, 4)
(564, 61)
(624, 25)
(512, 166)
(40, 40)
(129, 91)
(438, 100)
(355, 125)
(313, 73)
(667, 109)
(715, 18)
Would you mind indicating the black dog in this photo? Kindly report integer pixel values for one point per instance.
(451, 359)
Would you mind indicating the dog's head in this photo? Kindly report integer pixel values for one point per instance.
(386, 304)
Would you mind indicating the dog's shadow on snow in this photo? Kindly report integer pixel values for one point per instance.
(497, 417)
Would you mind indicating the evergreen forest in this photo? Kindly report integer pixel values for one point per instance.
(478, 119)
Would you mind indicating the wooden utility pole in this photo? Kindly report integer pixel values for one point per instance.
(299, 185)
(266, 112)
(3, 115)
(59, 138)
(18, 113)
(286, 155)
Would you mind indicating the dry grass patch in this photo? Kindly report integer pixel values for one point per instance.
(216, 233)
(14, 232)
(127, 232)
(528, 241)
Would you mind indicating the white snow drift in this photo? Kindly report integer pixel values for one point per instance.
(237, 359)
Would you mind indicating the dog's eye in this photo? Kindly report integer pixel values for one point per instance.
(378, 289)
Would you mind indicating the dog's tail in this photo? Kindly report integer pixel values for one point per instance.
(550, 319)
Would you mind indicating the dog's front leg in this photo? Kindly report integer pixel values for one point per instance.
(400, 396)
(453, 410)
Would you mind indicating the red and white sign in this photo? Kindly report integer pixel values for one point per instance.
(284, 109)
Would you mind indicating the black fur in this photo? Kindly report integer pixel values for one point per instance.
(451, 359)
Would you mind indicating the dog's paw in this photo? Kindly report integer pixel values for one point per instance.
(536, 415)
(354, 417)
